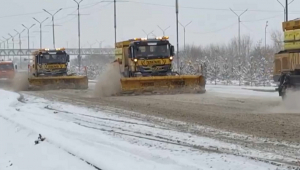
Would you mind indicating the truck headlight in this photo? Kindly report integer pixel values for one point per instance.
(171, 58)
(135, 60)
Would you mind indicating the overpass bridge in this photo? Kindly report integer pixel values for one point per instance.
(70, 51)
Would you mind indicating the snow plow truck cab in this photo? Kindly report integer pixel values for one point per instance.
(147, 66)
(49, 70)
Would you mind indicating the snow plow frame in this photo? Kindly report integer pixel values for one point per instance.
(58, 82)
(163, 84)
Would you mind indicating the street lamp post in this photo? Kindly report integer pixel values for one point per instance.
(40, 22)
(177, 36)
(52, 15)
(79, 56)
(147, 33)
(100, 43)
(20, 43)
(4, 46)
(163, 30)
(7, 46)
(285, 9)
(266, 36)
(239, 34)
(13, 41)
(184, 26)
(28, 28)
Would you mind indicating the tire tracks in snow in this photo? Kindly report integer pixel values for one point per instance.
(166, 140)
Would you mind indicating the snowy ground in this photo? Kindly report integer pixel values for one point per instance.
(231, 89)
(77, 135)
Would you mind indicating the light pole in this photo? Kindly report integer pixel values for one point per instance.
(91, 45)
(239, 27)
(13, 41)
(184, 26)
(28, 28)
(52, 15)
(239, 38)
(7, 46)
(147, 33)
(78, 17)
(285, 9)
(266, 36)
(115, 20)
(177, 36)
(100, 43)
(40, 22)
(20, 43)
(4, 45)
(163, 30)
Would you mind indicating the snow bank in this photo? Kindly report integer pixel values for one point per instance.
(243, 90)
(18, 151)
(111, 142)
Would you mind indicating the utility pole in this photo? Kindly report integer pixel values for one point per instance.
(266, 36)
(79, 50)
(7, 46)
(28, 28)
(41, 41)
(239, 28)
(163, 30)
(4, 45)
(52, 15)
(148, 33)
(115, 20)
(285, 9)
(184, 26)
(13, 41)
(239, 39)
(20, 44)
(100, 43)
(91, 45)
(177, 51)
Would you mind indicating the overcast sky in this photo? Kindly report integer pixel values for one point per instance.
(212, 21)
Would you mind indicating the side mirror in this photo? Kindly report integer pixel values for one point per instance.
(68, 58)
(16, 67)
(172, 50)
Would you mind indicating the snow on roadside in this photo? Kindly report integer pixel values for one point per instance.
(18, 151)
(243, 90)
(112, 142)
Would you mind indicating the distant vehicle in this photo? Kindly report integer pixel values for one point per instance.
(49, 70)
(7, 70)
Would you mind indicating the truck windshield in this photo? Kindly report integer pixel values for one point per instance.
(52, 58)
(6, 66)
(153, 51)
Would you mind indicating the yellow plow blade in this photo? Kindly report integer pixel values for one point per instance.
(59, 82)
(163, 84)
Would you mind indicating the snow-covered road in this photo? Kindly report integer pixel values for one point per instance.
(77, 135)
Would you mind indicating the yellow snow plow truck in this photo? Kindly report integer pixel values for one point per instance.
(146, 67)
(287, 62)
(49, 70)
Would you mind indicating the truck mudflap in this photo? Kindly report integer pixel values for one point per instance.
(163, 85)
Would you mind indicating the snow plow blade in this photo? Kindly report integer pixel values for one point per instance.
(59, 82)
(163, 84)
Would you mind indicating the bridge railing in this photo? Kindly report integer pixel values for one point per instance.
(70, 51)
